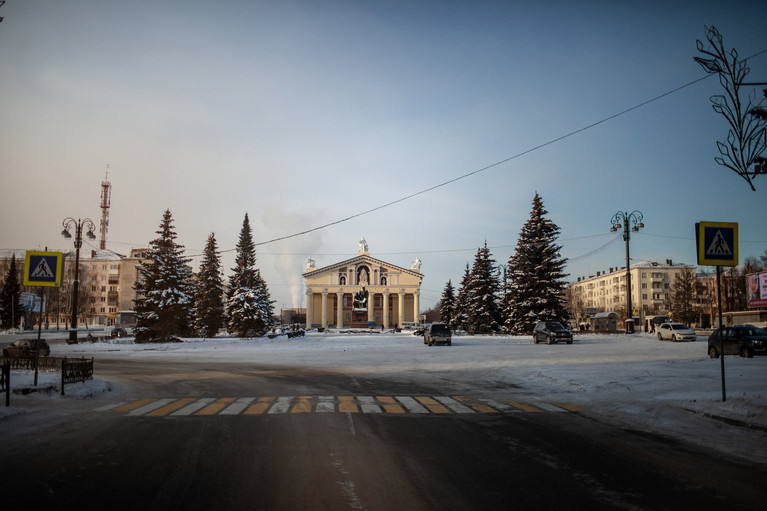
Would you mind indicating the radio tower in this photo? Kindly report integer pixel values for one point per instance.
(106, 196)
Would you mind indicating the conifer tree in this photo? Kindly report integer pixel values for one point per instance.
(209, 295)
(249, 305)
(164, 289)
(482, 297)
(10, 295)
(460, 317)
(447, 304)
(536, 282)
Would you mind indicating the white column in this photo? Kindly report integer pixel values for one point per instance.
(371, 307)
(324, 309)
(416, 305)
(340, 312)
(309, 297)
(401, 307)
(386, 309)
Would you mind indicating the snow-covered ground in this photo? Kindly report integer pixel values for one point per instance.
(631, 380)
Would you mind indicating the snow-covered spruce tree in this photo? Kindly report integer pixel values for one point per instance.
(482, 306)
(10, 295)
(536, 282)
(209, 293)
(447, 304)
(460, 318)
(249, 306)
(164, 289)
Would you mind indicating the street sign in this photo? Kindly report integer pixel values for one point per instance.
(43, 268)
(717, 243)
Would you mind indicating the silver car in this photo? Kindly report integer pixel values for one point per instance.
(676, 332)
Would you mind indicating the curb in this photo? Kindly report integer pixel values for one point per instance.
(728, 420)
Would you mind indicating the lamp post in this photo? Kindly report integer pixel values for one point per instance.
(622, 219)
(78, 224)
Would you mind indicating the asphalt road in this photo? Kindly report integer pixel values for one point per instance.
(95, 454)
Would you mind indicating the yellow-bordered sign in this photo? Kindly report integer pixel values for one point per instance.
(43, 268)
(717, 243)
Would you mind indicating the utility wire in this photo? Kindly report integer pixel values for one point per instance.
(492, 165)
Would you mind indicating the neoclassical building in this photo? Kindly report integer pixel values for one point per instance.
(362, 292)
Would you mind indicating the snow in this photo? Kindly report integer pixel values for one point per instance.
(633, 381)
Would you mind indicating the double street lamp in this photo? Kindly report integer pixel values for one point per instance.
(78, 224)
(621, 219)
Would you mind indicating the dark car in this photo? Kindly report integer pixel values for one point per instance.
(119, 332)
(27, 348)
(437, 333)
(743, 340)
(551, 332)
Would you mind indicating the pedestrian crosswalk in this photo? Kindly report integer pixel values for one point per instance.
(276, 405)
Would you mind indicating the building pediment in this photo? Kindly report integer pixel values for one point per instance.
(360, 260)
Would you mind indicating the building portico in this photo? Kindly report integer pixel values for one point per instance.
(362, 292)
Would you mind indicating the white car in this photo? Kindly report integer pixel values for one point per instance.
(676, 332)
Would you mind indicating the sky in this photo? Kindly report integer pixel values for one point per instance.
(308, 113)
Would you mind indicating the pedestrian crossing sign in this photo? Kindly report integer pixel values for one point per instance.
(717, 243)
(43, 268)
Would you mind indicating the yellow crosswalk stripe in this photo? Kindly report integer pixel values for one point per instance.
(171, 407)
(214, 408)
(346, 405)
(432, 405)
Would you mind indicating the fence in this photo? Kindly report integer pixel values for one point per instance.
(73, 370)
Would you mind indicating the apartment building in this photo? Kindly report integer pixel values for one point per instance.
(606, 291)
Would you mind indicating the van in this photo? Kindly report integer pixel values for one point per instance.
(437, 333)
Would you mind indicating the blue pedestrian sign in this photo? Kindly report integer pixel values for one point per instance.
(717, 243)
(43, 268)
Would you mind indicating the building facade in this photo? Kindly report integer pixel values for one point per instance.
(362, 292)
(606, 291)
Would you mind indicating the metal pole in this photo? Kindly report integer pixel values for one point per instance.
(39, 334)
(721, 337)
(76, 283)
(629, 311)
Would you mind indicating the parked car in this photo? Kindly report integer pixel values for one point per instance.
(27, 348)
(551, 332)
(119, 332)
(676, 332)
(743, 340)
(437, 333)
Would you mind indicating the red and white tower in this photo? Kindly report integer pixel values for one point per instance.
(106, 198)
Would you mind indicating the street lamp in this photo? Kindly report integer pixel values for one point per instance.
(79, 224)
(622, 219)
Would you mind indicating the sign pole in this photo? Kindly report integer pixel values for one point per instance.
(721, 337)
(39, 334)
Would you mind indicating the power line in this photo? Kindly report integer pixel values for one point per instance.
(488, 167)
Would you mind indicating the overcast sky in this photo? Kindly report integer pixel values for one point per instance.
(304, 113)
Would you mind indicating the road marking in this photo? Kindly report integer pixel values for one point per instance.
(454, 405)
(214, 408)
(325, 404)
(524, 407)
(432, 405)
(282, 405)
(142, 410)
(260, 407)
(411, 405)
(346, 404)
(390, 405)
(193, 407)
(172, 407)
(382, 405)
(238, 406)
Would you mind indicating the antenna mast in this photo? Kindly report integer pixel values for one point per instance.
(106, 199)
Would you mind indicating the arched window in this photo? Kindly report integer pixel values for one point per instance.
(342, 280)
(383, 280)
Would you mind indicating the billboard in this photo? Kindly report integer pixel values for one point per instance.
(757, 290)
